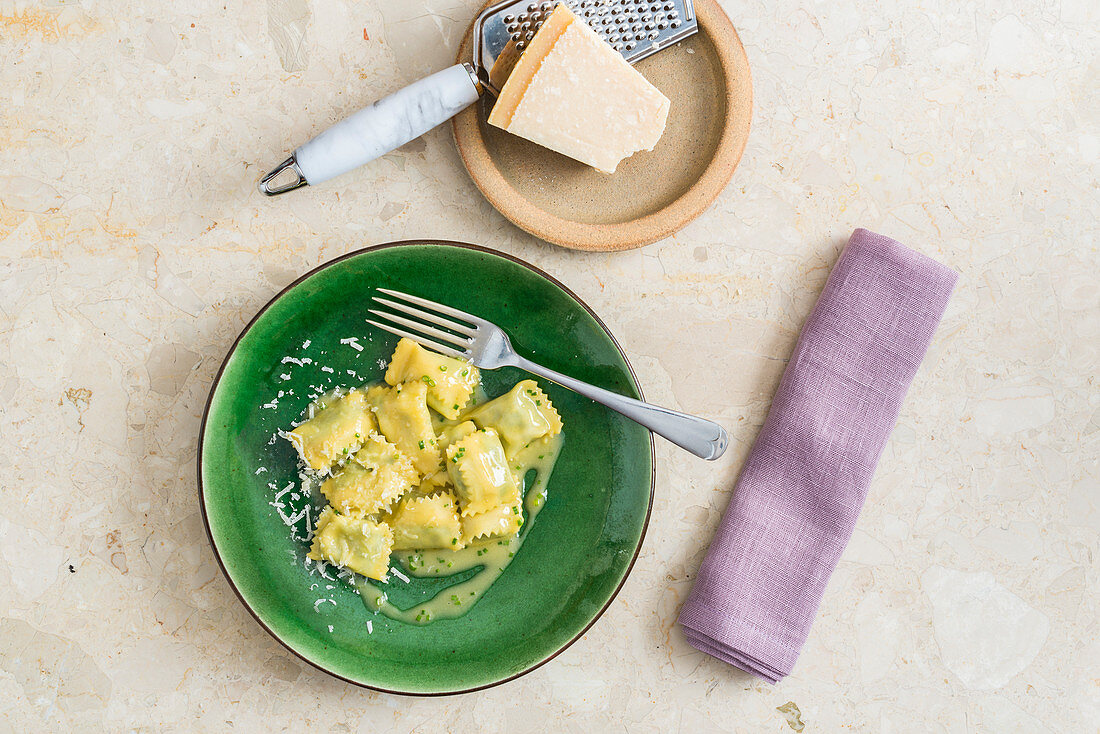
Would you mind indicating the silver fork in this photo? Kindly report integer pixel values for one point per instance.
(487, 346)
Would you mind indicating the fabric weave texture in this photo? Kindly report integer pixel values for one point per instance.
(803, 486)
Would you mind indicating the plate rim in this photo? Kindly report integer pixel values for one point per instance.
(655, 225)
(217, 381)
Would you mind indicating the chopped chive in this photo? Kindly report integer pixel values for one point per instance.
(456, 406)
(455, 600)
(421, 444)
(538, 402)
(442, 368)
(454, 541)
(430, 382)
(465, 372)
(515, 510)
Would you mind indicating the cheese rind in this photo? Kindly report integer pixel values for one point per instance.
(529, 62)
(573, 93)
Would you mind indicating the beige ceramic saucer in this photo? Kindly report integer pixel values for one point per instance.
(652, 194)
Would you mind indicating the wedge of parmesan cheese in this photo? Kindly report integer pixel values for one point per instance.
(573, 93)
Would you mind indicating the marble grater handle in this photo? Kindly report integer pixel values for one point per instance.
(374, 131)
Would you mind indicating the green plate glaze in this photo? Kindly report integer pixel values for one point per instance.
(580, 547)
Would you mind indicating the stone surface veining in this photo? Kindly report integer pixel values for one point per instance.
(134, 247)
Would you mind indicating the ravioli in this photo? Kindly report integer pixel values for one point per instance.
(371, 480)
(450, 381)
(450, 434)
(412, 465)
(497, 522)
(427, 523)
(403, 419)
(480, 473)
(334, 432)
(361, 545)
(521, 415)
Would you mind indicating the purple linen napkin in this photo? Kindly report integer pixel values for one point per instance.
(804, 483)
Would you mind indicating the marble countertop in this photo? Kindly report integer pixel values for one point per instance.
(134, 247)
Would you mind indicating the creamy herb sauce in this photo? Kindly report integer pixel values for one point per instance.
(492, 556)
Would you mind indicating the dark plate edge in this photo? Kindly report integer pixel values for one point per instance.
(217, 380)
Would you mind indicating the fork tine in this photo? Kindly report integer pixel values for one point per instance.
(424, 328)
(439, 320)
(448, 351)
(452, 312)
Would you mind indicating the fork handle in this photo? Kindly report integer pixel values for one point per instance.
(704, 438)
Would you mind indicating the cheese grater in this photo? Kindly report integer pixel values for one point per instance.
(634, 28)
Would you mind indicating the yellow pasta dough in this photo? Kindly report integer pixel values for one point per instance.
(497, 522)
(450, 381)
(433, 483)
(374, 477)
(427, 522)
(334, 432)
(521, 415)
(403, 419)
(480, 473)
(361, 545)
(450, 434)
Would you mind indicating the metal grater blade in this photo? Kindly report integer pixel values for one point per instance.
(634, 28)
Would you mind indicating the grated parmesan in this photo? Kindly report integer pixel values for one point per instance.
(370, 627)
(352, 342)
(399, 575)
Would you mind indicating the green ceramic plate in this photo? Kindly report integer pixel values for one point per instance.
(580, 547)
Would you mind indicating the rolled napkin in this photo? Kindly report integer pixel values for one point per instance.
(804, 483)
